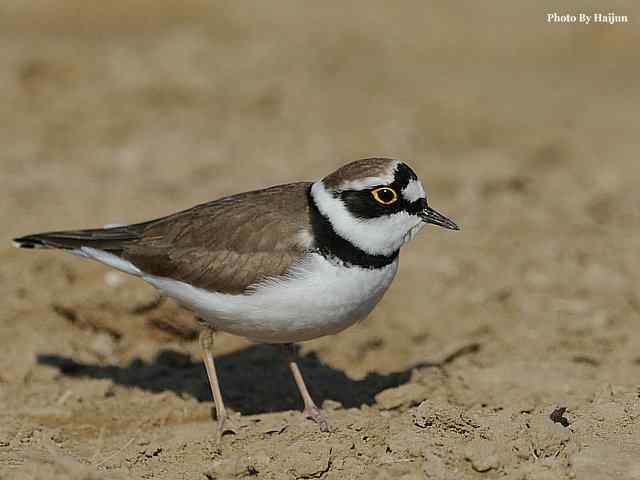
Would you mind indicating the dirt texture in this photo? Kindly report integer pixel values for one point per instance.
(508, 350)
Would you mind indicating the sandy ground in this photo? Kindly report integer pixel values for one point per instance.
(508, 350)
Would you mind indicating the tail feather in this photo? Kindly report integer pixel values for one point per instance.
(107, 239)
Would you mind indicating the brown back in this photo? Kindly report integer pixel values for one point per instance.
(228, 244)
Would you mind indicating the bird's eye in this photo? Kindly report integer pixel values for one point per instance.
(385, 195)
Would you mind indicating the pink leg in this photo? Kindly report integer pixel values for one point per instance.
(206, 343)
(311, 411)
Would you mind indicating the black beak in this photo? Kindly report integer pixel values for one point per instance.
(429, 215)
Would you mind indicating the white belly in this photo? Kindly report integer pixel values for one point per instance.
(316, 298)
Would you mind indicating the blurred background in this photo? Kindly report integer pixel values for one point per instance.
(523, 131)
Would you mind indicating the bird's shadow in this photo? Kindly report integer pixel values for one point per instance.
(254, 380)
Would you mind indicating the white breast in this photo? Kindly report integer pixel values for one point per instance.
(316, 298)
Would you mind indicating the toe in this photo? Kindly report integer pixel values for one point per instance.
(226, 426)
(318, 416)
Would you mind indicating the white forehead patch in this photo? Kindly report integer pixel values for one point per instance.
(413, 191)
(368, 182)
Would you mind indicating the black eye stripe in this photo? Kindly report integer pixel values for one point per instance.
(416, 206)
(362, 203)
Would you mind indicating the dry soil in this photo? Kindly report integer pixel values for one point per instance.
(508, 350)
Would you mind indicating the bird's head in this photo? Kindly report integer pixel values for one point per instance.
(377, 204)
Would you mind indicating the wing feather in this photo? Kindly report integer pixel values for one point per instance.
(230, 244)
(226, 245)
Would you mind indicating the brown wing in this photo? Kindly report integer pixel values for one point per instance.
(228, 244)
(225, 245)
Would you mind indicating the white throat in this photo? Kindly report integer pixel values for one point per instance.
(375, 236)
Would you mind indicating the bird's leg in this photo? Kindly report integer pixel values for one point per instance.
(310, 409)
(206, 343)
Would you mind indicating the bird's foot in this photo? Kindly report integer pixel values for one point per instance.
(314, 413)
(226, 425)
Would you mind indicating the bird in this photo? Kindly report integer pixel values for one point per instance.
(280, 265)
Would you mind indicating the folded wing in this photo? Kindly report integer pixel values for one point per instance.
(226, 245)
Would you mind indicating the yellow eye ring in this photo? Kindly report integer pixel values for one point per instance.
(385, 195)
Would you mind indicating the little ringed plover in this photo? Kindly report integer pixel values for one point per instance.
(280, 265)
